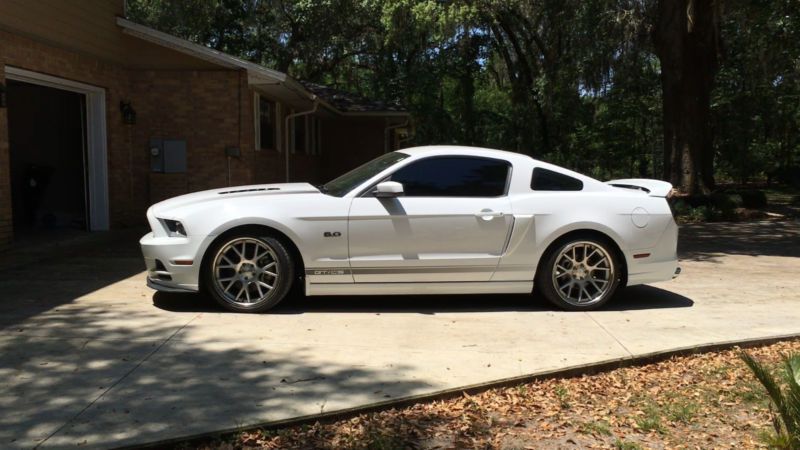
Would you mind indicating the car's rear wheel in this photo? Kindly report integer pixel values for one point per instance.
(247, 273)
(580, 274)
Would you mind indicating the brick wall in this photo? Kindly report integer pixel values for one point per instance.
(20, 52)
(210, 109)
(203, 108)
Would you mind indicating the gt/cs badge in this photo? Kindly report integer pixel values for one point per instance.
(329, 272)
(331, 234)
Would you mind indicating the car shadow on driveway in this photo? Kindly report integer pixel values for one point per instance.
(633, 298)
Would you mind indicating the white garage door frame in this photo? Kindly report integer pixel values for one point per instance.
(96, 143)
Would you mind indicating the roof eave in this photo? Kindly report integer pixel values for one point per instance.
(199, 51)
(256, 74)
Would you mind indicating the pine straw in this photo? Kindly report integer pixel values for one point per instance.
(702, 401)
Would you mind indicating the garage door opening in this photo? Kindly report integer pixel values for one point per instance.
(47, 137)
(59, 168)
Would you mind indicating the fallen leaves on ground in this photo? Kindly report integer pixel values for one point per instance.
(703, 401)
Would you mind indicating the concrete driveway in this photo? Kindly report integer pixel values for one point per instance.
(92, 358)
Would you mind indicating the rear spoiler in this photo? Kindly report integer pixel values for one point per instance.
(653, 188)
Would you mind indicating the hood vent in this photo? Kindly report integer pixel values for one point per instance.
(238, 191)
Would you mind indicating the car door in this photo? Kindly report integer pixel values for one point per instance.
(451, 223)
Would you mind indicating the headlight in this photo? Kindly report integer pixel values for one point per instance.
(174, 228)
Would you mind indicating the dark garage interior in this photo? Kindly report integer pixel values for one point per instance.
(46, 129)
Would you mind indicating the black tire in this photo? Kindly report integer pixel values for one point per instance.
(586, 280)
(248, 276)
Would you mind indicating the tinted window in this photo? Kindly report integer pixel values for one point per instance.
(454, 177)
(547, 180)
(351, 180)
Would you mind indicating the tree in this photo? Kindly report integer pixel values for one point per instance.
(687, 41)
(612, 88)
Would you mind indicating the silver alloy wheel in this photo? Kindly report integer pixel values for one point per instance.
(583, 273)
(245, 272)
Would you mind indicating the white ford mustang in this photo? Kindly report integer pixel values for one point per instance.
(428, 220)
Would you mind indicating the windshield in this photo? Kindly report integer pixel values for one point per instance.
(351, 180)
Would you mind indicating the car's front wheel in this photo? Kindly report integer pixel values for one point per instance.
(248, 273)
(580, 274)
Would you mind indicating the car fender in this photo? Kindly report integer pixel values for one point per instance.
(522, 259)
(254, 221)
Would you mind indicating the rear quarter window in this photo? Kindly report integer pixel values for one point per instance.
(548, 180)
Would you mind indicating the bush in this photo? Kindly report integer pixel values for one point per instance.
(725, 201)
(753, 199)
(787, 175)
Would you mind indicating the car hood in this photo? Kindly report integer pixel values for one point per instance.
(163, 209)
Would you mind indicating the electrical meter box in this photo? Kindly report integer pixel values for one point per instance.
(168, 155)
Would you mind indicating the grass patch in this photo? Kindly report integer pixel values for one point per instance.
(651, 421)
(620, 444)
(682, 412)
(562, 393)
(599, 427)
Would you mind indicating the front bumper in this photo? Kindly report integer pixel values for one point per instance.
(165, 287)
(160, 257)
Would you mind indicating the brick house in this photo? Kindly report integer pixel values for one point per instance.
(101, 117)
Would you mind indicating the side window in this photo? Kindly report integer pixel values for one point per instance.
(548, 180)
(454, 177)
(265, 123)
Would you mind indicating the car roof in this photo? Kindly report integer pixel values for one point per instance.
(447, 150)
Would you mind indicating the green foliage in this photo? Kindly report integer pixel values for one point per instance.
(651, 421)
(683, 411)
(785, 400)
(563, 397)
(574, 82)
(626, 445)
(598, 427)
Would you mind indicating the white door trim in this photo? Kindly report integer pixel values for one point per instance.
(95, 138)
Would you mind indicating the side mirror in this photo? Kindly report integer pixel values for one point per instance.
(388, 189)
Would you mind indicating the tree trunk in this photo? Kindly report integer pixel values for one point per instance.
(686, 37)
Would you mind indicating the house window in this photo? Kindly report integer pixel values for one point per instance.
(306, 133)
(266, 123)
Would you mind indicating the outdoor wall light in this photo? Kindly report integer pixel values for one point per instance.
(128, 113)
(2, 95)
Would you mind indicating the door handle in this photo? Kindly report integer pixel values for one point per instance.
(488, 214)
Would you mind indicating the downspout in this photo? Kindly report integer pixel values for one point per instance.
(288, 118)
(388, 129)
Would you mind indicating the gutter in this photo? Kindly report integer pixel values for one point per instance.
(290, 117)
